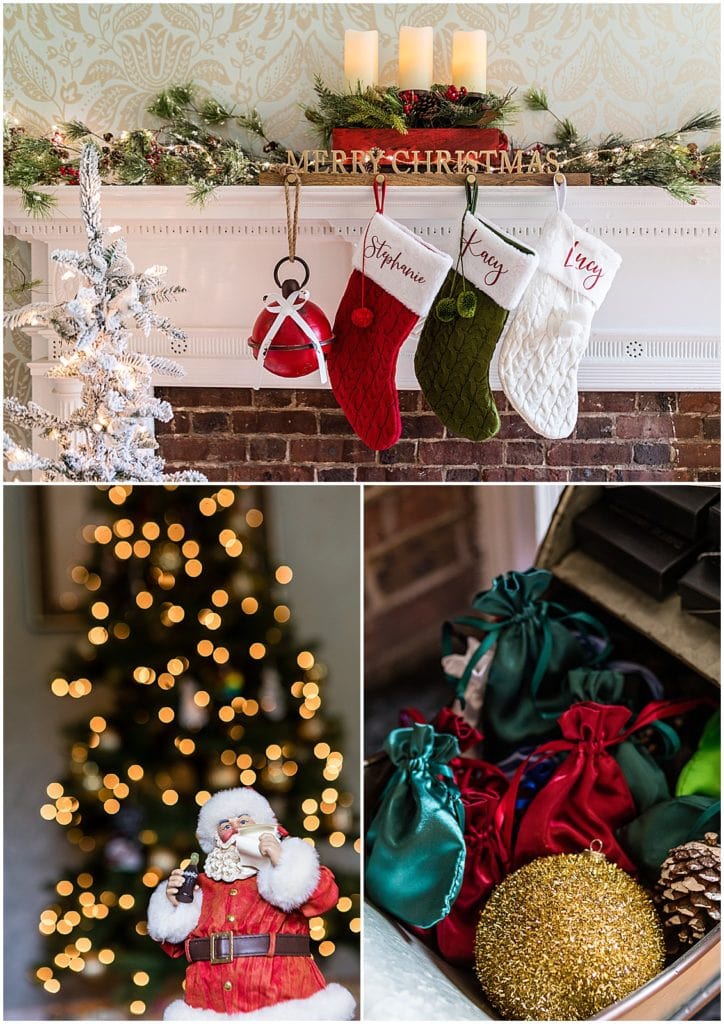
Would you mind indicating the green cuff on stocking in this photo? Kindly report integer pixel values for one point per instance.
(458, 340)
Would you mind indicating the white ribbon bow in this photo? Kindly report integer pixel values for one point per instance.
(288, 307)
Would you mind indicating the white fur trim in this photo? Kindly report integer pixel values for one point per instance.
(494, 264)
(294, 879)
(227, 802)
(167, 923)
(578, 259)
(401, 263)
(331, 1003)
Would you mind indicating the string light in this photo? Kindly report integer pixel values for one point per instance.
(226, 497)
(283, 574)
(123, 528)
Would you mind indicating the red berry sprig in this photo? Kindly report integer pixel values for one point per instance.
(409, 99)
(454, 94)
(69, 174)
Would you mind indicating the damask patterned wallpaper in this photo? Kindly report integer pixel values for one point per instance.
(633, 68)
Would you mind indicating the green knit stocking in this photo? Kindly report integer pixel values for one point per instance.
(458, 340)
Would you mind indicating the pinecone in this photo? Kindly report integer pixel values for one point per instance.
(688, 892)
(424, 108)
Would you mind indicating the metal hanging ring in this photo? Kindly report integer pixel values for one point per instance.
(285, 259)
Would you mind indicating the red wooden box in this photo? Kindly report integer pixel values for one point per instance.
(454, 140)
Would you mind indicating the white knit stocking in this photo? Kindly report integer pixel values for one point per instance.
(548, 334)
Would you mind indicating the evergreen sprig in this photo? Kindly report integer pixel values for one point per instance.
(663, 160)
(186, 149)
(384, 107)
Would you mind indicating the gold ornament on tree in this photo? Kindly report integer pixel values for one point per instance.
(566, 936)
(688, 892)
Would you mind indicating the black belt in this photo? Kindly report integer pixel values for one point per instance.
(223, 947)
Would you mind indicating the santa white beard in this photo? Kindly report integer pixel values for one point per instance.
(224, 863)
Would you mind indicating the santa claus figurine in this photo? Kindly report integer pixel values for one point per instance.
(246, 933)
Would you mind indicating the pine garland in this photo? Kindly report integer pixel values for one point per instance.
(188, 149)
(664, 160)
(183, 150)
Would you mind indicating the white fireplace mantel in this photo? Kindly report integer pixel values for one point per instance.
(657, 331)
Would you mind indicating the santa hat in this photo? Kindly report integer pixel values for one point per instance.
(231, 803)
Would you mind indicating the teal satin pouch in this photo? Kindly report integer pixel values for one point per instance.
(416, 846)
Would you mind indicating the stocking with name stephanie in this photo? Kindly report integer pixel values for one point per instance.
(548, 335)
(394, 281)
(458, 340)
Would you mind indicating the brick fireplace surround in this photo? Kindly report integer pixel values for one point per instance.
(241, 434)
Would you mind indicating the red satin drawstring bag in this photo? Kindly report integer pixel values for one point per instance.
(587, 797)
(482, 786)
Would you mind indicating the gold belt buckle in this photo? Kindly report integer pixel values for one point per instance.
(215, 958)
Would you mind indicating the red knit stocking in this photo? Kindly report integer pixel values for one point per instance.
(395, 279)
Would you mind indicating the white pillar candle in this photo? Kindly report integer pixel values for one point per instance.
(360, 58)
(415, 61)
(470, 60)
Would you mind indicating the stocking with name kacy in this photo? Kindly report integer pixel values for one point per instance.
(395, 278)
(548, 335)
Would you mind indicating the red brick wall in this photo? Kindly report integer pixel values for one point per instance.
(422, 563)
(240, 434)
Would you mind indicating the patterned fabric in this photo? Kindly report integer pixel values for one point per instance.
(258, 981)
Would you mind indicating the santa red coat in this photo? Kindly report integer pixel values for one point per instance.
(277, 901)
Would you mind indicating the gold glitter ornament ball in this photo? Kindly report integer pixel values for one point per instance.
(564, 937)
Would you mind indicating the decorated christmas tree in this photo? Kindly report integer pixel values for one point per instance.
(107, 438)
(191, 649)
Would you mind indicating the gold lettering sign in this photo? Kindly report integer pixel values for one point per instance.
(431, 161)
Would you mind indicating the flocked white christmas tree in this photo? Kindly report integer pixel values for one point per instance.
(107, 437)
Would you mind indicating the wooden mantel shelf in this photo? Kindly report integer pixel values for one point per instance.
(657, 331)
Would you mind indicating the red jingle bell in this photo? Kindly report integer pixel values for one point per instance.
(293, 321)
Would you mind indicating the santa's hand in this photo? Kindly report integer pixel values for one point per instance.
(174, 883)
(269, 846)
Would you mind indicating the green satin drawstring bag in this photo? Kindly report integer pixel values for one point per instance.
(645, 778)
(648, 838)
(414, 867)
(535, 648)
(702, 773)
